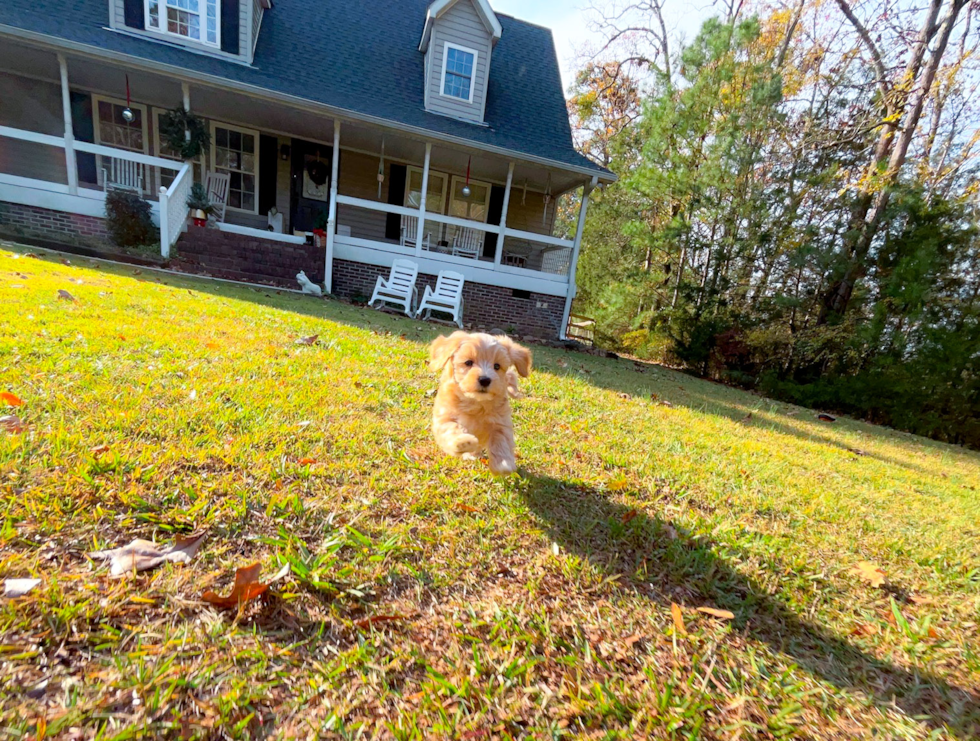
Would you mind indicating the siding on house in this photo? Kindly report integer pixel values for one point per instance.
(462, 26)
(359, 179)
(245, 31)
(34, 106)
(257, 11)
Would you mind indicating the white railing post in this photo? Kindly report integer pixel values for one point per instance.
(164, 222)
(420, 234)
(332, 212)
(502, 237)
(70, 161)
(572, 288)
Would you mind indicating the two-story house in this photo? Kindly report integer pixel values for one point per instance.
(433, 130)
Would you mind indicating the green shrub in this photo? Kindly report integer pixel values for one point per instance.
(128, 219)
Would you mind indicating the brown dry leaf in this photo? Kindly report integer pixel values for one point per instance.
(141, 555)
(720, 614)
(247, 587)
(99, 449)
(666, 403)
(625, 396)
(920, 600)
(311, 340)
(671, 531)
(629, 516)
(12, 400)
(747, 418)
(306, 461)
(870, 572)
(63, 294)
(374, 619)
(12, 423)
(826, 417)
(212, 345)
(865, 629)
(466, 508)
(675, 612)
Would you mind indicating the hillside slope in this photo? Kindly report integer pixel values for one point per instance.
(427, 598)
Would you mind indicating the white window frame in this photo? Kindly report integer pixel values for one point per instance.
(161, 26)
(441, 210)
(445, 62)
(452, 196)
(97, 130)
(158, 151)
(212, 167)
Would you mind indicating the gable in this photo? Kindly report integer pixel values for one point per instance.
(440, 8)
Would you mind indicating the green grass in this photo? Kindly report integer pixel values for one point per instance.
(537, 606)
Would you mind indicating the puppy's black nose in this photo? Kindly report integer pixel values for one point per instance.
(484, 381)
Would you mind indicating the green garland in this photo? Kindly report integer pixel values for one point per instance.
(174, 124)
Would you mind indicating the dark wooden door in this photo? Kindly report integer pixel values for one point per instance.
(307, 197)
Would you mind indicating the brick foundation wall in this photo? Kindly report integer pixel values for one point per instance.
(484, 307)
(43, 223)
(245, 258)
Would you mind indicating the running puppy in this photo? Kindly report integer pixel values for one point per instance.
(472, 411)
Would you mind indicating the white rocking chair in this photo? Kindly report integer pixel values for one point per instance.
(119, 174)
(399, 288)
(217, 189)
(410, 233)
(447, 298)
(468, 243)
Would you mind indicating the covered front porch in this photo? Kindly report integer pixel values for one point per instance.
(364, 193)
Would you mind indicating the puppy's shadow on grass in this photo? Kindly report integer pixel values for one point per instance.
(664, 563)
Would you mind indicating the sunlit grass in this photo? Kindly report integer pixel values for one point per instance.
(536, 606)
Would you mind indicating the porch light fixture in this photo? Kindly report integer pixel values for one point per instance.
(467, 191)
(127, 114)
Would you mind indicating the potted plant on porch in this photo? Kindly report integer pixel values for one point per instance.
(199, 204)
(320, 228)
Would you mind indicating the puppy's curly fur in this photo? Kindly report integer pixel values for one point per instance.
(472, 409)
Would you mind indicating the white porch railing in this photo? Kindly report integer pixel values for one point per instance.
(173, 208)
(71, 198)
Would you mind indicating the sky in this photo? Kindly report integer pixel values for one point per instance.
(569, 22)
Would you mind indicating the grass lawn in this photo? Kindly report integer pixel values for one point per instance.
(427, 598)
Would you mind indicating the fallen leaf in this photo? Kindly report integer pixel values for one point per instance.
(374, 619)
(212, 345)
(870, 572)
(311, 340)
(865, 629)
(721, 614)
(667, 404)
(629, 516)
(919, 600)
(12, 400)
(307, 461)
(141, 555)
(671, 531)
(193, 394)
(31, 254)
(618, 484)
(63, 294)
(12, 423)
(137, 272)
(99, 450)
(826, 417)
(247, 587)
(18, 587)
(625, 396)
(555, 548)
(747, 418)
(466, 508)
(675, 612)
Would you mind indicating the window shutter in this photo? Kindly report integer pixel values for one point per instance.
(495, 211)
(268, 172)
(229, 26)
(133, 14)
(396, 197)
(83, 126)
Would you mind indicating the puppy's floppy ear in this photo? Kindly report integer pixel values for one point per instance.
(442, 349)
(520, 356)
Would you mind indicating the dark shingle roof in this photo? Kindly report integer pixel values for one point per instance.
(319, 50)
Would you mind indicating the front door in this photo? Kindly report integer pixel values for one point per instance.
(309, 198)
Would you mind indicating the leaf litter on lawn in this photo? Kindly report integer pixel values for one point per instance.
(141, 555)
(247, 587)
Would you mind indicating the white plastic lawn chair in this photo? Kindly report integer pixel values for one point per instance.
(468, 243)
(447, 298)
(399, 288)
(217, 188)
(410, 233)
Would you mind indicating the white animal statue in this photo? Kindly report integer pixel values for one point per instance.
(307, 285)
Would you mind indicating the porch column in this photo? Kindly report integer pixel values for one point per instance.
(185, 88)
(70, 161)
(572, 288)
(498, 255)
(332, 212)
(420, 235)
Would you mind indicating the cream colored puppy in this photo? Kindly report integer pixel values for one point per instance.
(472, 411)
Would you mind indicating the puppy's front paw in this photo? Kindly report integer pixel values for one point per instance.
(464, 444)
(503, 466)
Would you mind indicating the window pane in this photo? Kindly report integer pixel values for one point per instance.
(221, 137)
(235, 140)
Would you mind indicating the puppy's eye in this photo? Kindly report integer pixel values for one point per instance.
(496, 366)
(469, 363)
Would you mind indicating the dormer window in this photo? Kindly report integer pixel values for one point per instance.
(457, 73)
(196, 20)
